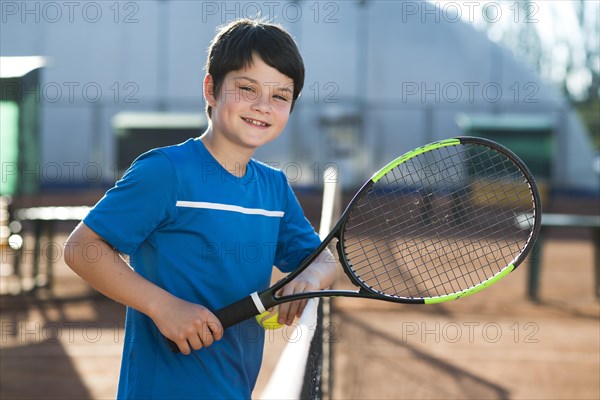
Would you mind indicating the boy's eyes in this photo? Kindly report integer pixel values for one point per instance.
(252, 89)
(282, 98)
(247, 88)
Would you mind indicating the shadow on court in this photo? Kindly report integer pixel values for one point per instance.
(449, 376)
(494, 345)
(60, 347)
(32, 372)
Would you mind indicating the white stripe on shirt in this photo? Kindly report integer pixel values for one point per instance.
(229, 207)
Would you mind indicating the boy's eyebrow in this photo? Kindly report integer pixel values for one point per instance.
(277, 87)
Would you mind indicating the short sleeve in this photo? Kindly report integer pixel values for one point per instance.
(297, 237)
(138, 203)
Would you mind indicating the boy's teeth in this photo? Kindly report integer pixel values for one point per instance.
(254, 122)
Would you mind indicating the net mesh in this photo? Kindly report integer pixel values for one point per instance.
(304, 370)
(312, 385)
(440, 223)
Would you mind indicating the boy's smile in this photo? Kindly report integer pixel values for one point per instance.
(251, 108)
(256, 122)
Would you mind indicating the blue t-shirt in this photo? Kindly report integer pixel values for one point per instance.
(208, 237)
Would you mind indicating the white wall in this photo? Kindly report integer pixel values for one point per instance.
(408, 74)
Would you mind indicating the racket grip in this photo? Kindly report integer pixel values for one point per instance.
(230, 315)
(237, 312)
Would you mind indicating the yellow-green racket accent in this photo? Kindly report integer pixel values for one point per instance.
(420, 150)
(468, 292)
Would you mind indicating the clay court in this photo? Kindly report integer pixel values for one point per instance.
(66, 344)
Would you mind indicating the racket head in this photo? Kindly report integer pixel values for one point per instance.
(441, 222)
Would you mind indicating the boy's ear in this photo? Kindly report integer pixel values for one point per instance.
(208, 88)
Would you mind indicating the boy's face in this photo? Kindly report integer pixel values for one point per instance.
(252, 106)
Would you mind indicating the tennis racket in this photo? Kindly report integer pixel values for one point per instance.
(438, 223)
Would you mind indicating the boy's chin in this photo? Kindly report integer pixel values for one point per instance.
(258, 142)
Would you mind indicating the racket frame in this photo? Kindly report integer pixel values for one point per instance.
(258, 302)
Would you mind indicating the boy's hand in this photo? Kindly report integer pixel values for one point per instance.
(305, 282)
(189, 325)
(319, 275)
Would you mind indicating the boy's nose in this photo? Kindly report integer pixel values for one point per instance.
(262, 104)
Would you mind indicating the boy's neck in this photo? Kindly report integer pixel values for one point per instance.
(232, 158)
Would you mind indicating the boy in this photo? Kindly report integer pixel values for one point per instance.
(203, 224)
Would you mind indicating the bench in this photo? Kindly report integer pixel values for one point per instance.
(44, 221)
(591, 222)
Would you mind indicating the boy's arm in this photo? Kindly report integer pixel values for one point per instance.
(185, 323)
(319, 275)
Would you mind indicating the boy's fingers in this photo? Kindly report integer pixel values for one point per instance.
(293, 311)
(195, 342)
(214, 327)
(291, 315)
(207, 339)
(202, 333)
(283, 312)
(209, 331)
(287, 311)
(184, 347)
(301, 307)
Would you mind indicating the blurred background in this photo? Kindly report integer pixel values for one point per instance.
(86, 86)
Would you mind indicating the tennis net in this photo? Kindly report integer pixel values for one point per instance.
(304, 369)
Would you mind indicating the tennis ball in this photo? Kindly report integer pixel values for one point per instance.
(268, 319)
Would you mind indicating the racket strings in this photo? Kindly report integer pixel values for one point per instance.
(391, 209)
(442, 231)
(444, 277)
(476, 270)
(441, 278)
(440, 223)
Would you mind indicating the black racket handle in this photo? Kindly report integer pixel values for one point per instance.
(237, 312)
(230, 315)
